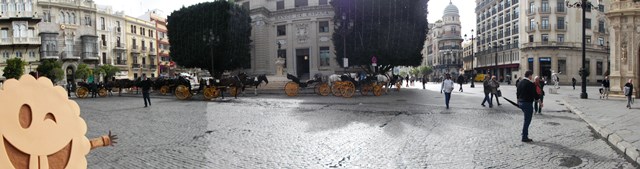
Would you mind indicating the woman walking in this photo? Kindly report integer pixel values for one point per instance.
(537, 104)
(494, 89)
(628, 91)
(447, 88)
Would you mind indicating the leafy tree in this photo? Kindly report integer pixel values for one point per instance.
(83, 71)
(14, 69)
(109, 71)
(212, 29)
(52, 69)
(425, 70)
(392, 30)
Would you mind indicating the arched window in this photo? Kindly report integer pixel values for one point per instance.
(29, 6)
(69, 21)
(73, 18)
(23, 31)
(62, 18)
(16, 31)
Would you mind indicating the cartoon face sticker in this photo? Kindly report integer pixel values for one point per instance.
(40, 127)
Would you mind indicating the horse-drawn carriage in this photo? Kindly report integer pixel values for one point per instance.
(319, 87)
(212, 88)
(345, 85)
(85, 89)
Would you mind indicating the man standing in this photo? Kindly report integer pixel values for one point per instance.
(145, 84)
(526, 92)
(487, 92)
(460, 81)
(447, 88)
(607, 87)
(573, 82)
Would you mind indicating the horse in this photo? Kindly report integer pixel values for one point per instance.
(252, 81)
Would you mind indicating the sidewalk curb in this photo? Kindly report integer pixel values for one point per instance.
(614, 139)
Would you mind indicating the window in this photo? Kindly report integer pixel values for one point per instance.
(301, 3)
(4, 33)
(588, 39)
(545, 6)
(143, 45)
(104, 40)
(151, 33)
(601, 26)
(599, 68)
(601, 8)
(601, 41)
(545, 23)
(73, 18)
(532, 24)
(323, 26)
(532, 8)
(19, 54)
(562, 65)
(102, 26)
(151, 45)
(133, 29)
(141, 31)
(561, 23)
(104, 58)
(545, 38)
(5, 54)
(282, 53)
(588, 9)
(324, 56)
(118, 42)
(282, 30)
(32, 54)
(322, 2)
(118, 26)
(587, 23)
(87, 20)
(560, 37)
(134, 44)
(280, 5)
(530, 38)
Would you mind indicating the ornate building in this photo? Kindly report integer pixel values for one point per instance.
(19, 34)
(624, 18)
(443, 45)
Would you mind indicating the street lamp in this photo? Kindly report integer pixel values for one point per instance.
(348, 24)
(473, 71)
(584, 5)
(211, 40)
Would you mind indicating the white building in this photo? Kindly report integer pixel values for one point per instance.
(443, 44)
(112, 40)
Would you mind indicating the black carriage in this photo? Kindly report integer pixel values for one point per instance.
(293, 87)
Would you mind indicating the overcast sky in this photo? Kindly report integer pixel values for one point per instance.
(467, 10)
(436, 8)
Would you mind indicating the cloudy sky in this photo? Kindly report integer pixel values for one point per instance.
(467, 13)
(436, 8)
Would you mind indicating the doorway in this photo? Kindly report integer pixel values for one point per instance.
(302, 63)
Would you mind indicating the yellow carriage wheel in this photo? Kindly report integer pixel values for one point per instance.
(336, 89)
(291, 89)
(324, 89)
(82, 92)
(102, 92)
(182, 92)
(164, 90)
(365, 89)
(348, 89)
(210, 92)
(377, 89)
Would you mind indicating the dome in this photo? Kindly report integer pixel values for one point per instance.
(451, 10)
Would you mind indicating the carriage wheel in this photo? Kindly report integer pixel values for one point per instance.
(377, 89)
(102, 92)
(324, 89)
(182, 92)
(210, 93)
(291, 89)
(164, 90)
(82, 92)
(233, 91)
(398, 86)
(336, 88)
(364, 90)
(348, 90)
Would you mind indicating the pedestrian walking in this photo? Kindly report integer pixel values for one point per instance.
(487, 92)
(494, 89)
(628, 91)
(573, 82)
(424, 81)
(407, 79)
(447, 88)
(460, 81)
(526, 92)
(606, 88)
(537, 105)
(145, 84)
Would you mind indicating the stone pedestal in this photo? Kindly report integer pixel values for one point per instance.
(280, 67)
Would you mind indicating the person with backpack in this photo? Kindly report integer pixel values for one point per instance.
(447, 88)
(628, 91)
(537, 104)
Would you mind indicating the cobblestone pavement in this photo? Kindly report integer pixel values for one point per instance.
(409, 129)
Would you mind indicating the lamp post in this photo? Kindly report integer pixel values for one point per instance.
(211, 40)
(473, 71)
(345, 28)
(584, 5)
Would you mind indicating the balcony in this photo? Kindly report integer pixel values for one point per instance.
(20, 14)
(561, 27)
(152, 50)
(500, 21)
(49, 55)
(530, 29)
(121, 62)
(545, 27)
(546, 10)
(531, 11)
(90, 56)
(70, 55)
(135, 65)
(144, 48)
(562, 10)
(24, 41)
(153, 66)
(119, 46)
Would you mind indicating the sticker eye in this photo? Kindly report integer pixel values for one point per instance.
(25, 116)
(50, 116)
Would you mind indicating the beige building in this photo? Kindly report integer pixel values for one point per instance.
(158, 18)
(467, 56)
(68, 34)
(293, 33)
(111, 39)
(624, 18)
(497, 37)
(443, 51)
(141, 47)
(19, 34)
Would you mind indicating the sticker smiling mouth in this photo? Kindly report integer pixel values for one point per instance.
(21, 160)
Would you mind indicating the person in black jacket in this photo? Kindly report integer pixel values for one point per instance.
(460, 81)
(527, 93)
(145, 84)
(606, 85)
(628, 91)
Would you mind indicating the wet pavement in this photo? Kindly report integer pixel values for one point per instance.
(407, 129)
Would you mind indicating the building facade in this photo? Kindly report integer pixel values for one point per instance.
(141, 49)
(111, 37)
(162, 40)
(467, 55)
(624, 18)
(68, 34)
(19, 34)
(497, 40)
(444, 51)
(295, 34)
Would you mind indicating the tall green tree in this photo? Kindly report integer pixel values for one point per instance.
(52, 69)
(14, 69)
(109, 71)
(218, 30)
(83, 71)
(392, 30)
